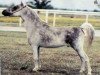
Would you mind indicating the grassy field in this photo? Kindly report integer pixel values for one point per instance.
(63, 20)
(17, 57)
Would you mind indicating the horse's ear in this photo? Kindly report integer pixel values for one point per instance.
(22, 3)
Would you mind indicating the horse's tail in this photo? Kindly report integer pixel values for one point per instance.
(89, 32)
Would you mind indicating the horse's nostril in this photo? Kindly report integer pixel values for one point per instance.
(6, 13)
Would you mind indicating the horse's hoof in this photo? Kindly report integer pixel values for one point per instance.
(35, 69)
(81, 71)
(89, 74)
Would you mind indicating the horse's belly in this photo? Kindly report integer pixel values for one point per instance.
(53, 43)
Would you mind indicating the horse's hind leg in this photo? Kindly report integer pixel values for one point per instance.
(85, 64)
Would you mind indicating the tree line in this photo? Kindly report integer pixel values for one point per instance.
(45, 4)
(36, 4)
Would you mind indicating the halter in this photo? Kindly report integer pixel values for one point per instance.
(19, 9)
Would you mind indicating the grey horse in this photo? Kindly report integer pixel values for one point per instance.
(39, 35)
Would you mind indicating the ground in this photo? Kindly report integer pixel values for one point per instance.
(17, 57)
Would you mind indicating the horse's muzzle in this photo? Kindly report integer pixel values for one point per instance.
(6, 13)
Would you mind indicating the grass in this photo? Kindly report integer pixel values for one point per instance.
(17, 57)
(63, 20)
(9, 21)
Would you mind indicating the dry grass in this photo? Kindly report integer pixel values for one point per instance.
(17, 57)
(9, 19)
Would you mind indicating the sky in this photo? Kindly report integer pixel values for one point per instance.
(75, 4)
(65, 4)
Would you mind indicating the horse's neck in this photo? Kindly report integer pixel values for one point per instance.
(28, 14)
(32, 22)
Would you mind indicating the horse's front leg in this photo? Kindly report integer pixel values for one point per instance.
(36, 57)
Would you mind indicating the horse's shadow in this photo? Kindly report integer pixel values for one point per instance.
(54, 71)
(59, 72)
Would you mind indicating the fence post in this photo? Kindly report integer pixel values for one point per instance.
(54, 19)
(46, 18)
(87, 17)
(20, 22)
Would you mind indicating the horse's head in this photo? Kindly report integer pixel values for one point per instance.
(13, 11)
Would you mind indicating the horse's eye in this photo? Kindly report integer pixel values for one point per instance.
(15, 8)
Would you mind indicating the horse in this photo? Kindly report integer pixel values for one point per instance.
(40, 34)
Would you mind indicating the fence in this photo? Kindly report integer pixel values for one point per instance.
(55, 12)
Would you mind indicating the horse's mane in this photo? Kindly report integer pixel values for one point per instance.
(33, 15)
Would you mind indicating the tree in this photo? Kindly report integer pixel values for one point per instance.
(3, 5)
(43, 4)
(96, 2)
(96, 10)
